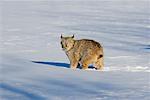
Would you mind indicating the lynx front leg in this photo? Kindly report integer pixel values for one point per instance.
(74, 59)
(84, 66)
(85, 62)
(73, 64)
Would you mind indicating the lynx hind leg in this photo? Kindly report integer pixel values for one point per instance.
(99, 64)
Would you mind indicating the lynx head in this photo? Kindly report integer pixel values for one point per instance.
(67, 42)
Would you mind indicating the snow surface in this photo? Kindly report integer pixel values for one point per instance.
(34, 67)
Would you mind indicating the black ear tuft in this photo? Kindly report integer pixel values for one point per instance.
(61, 36)
(73, 36)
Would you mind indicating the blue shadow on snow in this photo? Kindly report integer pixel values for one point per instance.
(58, 64)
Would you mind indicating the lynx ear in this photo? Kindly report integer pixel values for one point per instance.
(61, 36)
(73, 36)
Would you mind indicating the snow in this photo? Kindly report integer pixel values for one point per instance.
(34, 67)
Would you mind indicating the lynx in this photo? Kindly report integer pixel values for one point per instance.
(83, 52)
